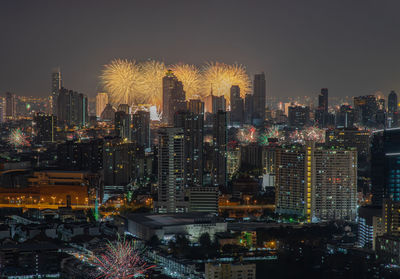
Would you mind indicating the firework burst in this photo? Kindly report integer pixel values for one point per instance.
(120, 260)
(17, 138)
(271, 133)
(120, 78)
(247, 134)
(220, 77)
(190, 77)
(150, 85)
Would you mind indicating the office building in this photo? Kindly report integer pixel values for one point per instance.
(237, 106)
(56, 85)
(323, 99)
(220, 141)
(108, 113)
(248, 108)
(299, 116)
(171, 176)
(213, 104)
(174, 97)
(259, 98)
(345, 117)
(203, 199)
(230, 270)
(10, 107)
(393, 113)
(193, 128)
(196, 106)
(122, 124)
(101, 102)
(366, 108)
(141, 128)
(72, 108)
(44, 127)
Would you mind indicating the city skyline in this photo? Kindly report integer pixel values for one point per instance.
(300, 47)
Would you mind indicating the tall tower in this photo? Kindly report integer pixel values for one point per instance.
(323, 99)
(392, 110)
(174, 97)
(220, 141)
(123, 125)
(56, 84)
(259, 98)
(171, 190)
(237, 106)
(11, 107)
(101, 102)
(141, 128)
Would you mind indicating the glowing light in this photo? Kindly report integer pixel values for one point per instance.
(271, 133)
(220, 77)
(247, 134)
(190, 77)
(17, 138)
(150, 82)
(120, 78)
(121, 260)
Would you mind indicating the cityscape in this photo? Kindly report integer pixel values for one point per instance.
(200, 168)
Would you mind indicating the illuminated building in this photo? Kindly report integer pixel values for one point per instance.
(369, 226)
(56, 85)
(345, 117)
(72, 108)
(108, 113)
(49, 189)
(299, 116)
(141, 128)
(317, 182)
(366, 108)
(45, 127)
(10, 111)
(230, 270)
(237, 106)
(323, 99)
(259, 99)
(193, 128)
(220, 141)
(101, 102)
(248, 108)
(393, 113)
(391, 217)
(171, 176)
(251, 155)
(118, 162)
(196, 106)
(233, 160)
(213, 104)
(388, 249)
(385, 163)
(173, 97)
(122, 124)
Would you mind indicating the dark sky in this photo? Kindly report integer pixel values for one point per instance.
(352, 47)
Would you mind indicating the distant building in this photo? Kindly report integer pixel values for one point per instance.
(248, 108)
(393, 112)
(237, 106)
(299, 116)
(259, 98)
(220, 141)
(108, 113)
(45, 127)
(122, 125)
(230, 270)
(141, 128)
(203, 199)
(56, 85)
(366, 108)
(174, 97)
(101, 102)
(171, 176)
(72, 108)
(10, 107)
(345, 117)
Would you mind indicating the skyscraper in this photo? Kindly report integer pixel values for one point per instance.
(173, 97)
(141, 128)
(192, 125)
(220, 141)
(392, 110)
(259, 98)
(299, 116)
(323, 99)
(72, 108)
(345, 117)
(101, 102)
(237, 106)
(10, 107)
(56, 84)
(366, 108)
(171, 188)
(248, 108)
(45, 127)
(123, 125)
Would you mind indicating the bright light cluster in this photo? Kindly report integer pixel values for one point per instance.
(128, 82)
(247, 134)
(120, 260)
(17, 138)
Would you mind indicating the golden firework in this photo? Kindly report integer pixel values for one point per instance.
(150, 81)
(190, 77)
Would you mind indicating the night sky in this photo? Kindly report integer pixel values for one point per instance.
(351, 47)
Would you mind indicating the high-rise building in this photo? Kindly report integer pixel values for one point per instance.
(122, 124)
(323, 99)
(393, 117)
(45, 127)
(366, 108)
(56, 85)
(173, 97)
(101, 102)
(345, 117)
(212, 104)
(171, 176)
(108, 113)
(10, 107)
(124, 108)
(72, 108)
(141, 128)
(248, 108)
(231, 271)
(192, 125)
(259, 98)
(203, 199)
(385, 165)
(196, 106)
(220, 141)
(299, 116)
(237, 106)
(317, 182)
